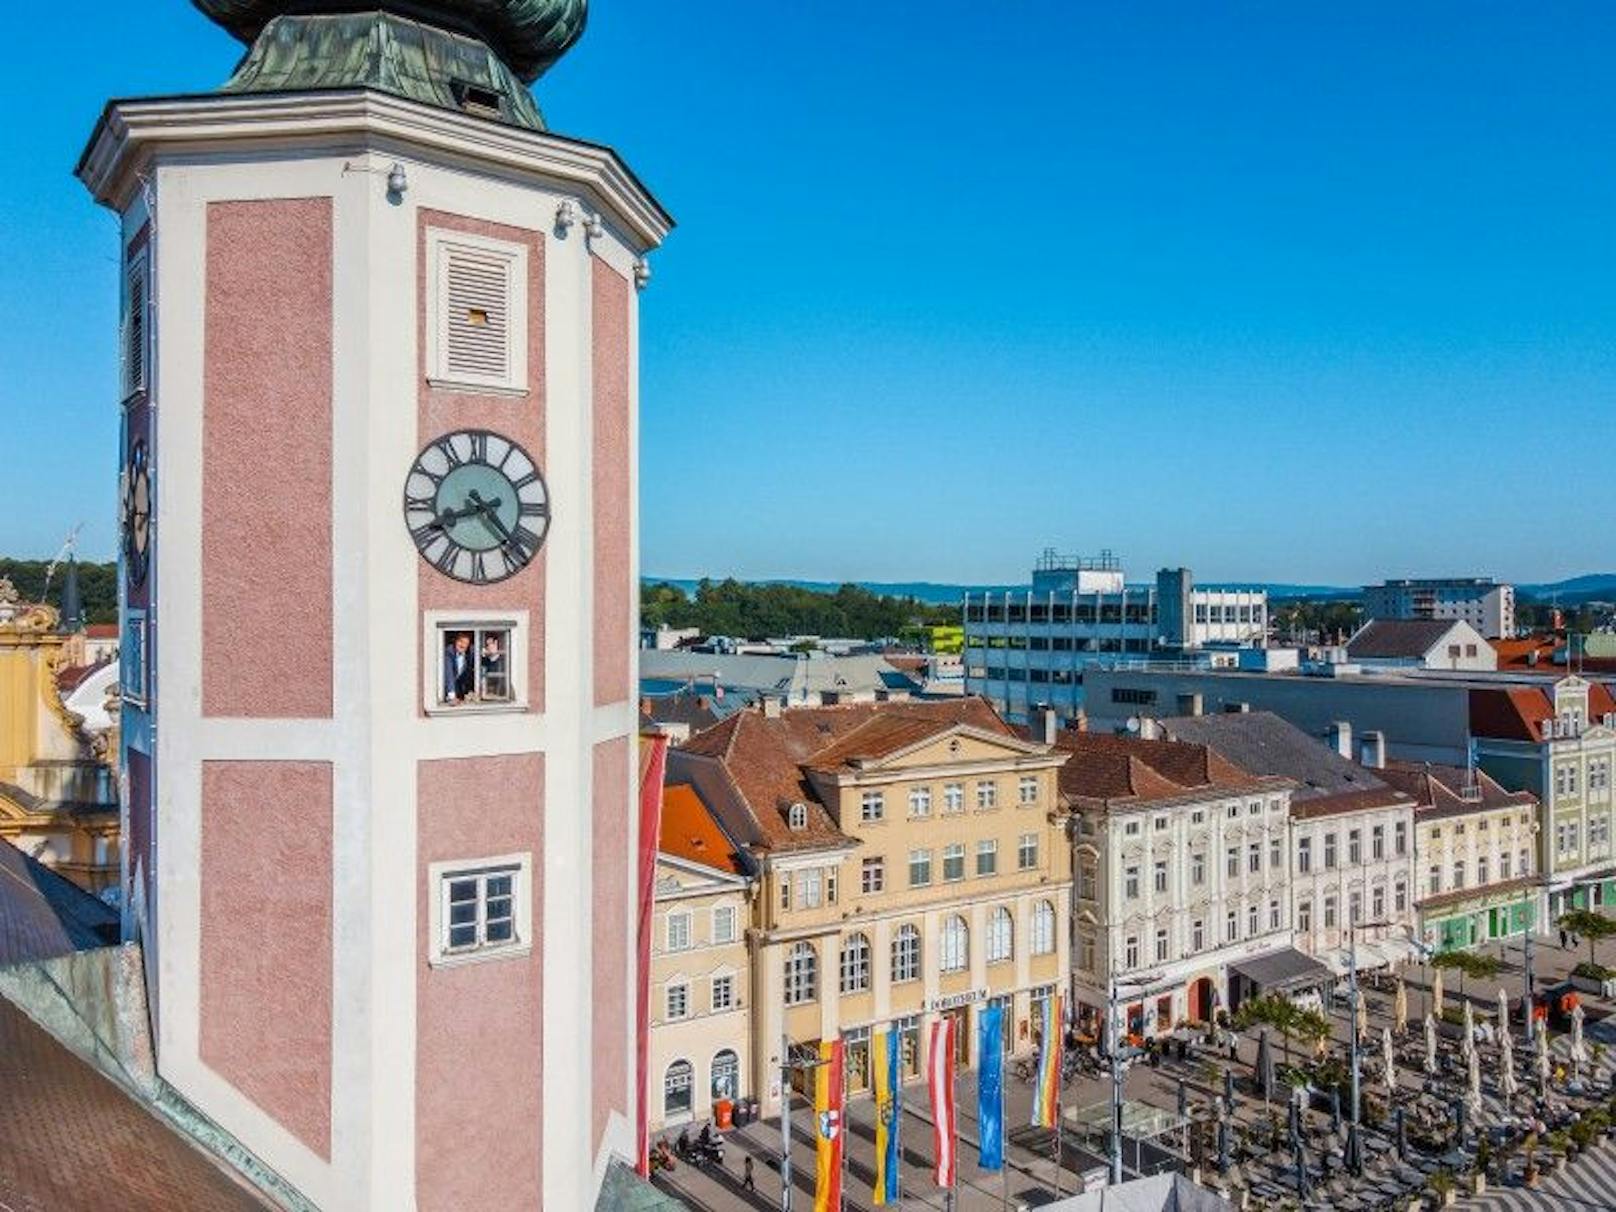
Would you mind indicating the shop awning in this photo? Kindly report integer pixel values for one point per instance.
(1283, 970)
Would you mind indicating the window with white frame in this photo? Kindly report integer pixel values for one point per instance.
(1400, 838)
(1231, 926)
(476, 660)
(1304, 916)
(953, 798)
(1329, 851)
(1086, 949)
(1329, 912)
(1130, 882)
(1197, 935)
(953, 862)
(1027, 852)
(810, 887)
(724, 923)
(1273, 915)
(1377, 901)
(1354, 908)
(1254, 857)
(1503, 865)
(1304, 855)
(1087, 878)
(987, 857)
(481, 909)
(677, 998)
(905, 955)
(1130, 951)
(920, 801)
(1027, 789)
(802, 974)
(1158, 876)
(1041, 933)
(987, 794)
(1231, 862)
(872, 806)
(1377, 842)
(785, 890)
(477, 334)
(919, 868)
(679, 935)
(1197, 868)
(954, 954)
(1253, 917)
(1001, 935)
(1276, 852)
(855, 964)
(1355, 846)
(797, 817)
(722, 992)
(1161, 946)
(678, 1093)
(873, 876)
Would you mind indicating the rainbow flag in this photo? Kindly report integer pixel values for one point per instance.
(887, 1062)
(828, 1089)
(1046, 1089)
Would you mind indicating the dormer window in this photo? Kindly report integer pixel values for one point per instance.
(797, 817)
(478, 99)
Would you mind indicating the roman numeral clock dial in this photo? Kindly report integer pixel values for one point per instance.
(476, 506)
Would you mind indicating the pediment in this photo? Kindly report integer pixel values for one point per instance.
(958, 746)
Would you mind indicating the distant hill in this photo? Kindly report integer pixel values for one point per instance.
(1593, 586)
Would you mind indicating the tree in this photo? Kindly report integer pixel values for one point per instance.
(1284, 1016)
(1467, 963)
(1589, 925)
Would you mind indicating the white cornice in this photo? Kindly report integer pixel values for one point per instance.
(130, 134)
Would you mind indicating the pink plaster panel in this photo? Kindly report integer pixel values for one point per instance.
(266, 938)
(266, 460)
(479, 1065)
(613, 506)
(520, 418)
(614, 878)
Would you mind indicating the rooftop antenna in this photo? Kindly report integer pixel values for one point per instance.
(66, 550)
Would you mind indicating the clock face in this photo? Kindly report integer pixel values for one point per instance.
(136, 511)
(476, 506)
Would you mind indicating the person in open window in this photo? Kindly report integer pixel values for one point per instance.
(496, 677)
(459, 668)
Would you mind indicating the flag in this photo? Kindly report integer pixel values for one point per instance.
(653, 762)
(990, 1088)
(885, 1055)
(828, 1089)
(940, 1074)
(1046, 1089)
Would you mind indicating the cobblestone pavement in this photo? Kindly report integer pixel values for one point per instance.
(71, 1140)
(1032, 1167)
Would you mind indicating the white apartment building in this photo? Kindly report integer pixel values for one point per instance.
(1181, 877)
(1031, 646)
(1485, 604)
(1352, 835)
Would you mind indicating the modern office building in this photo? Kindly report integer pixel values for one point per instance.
(1484, 603)
(379, 334)
(1032, 646)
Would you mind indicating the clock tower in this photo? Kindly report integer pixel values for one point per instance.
(378, 351)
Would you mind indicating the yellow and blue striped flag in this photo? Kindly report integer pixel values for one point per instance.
(888, 1110)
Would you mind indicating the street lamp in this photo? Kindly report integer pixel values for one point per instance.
(1353, 995)
(1141, 987)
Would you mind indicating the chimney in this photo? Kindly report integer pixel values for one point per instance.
(1044, 723)
(1189, 704)
(1149, 729)
(771, 706)
(1080, 721)
(1340, 738)
(1373, 747)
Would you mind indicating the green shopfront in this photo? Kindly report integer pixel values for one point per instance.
(1448, 923)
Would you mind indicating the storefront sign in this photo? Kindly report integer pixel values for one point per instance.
(955, 1000)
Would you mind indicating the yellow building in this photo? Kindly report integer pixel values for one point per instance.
(701, 991)
(58, 800)
(913, 864)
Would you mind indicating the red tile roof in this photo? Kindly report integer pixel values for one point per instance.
(1119, 772)
(102, 631)
(765, 758)
(1518, 713)
(1443, 791)
(690, 832)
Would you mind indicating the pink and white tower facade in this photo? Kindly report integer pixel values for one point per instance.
(380, 608)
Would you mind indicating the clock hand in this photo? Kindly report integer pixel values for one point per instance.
(488, 508)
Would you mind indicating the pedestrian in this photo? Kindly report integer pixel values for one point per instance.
(1562, 938)
(1575, 942)
(747, 1183)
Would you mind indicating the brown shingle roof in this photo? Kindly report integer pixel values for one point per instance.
(1121, 771)
(1519, 713)
(1441, 791)
(1389, 639)
(766, 757)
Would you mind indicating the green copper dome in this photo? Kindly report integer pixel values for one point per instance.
(527, 35)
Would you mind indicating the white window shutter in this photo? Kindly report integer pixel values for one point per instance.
(479, 325)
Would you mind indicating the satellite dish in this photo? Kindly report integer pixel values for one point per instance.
(1133, 723)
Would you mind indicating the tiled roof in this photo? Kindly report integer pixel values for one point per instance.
(1459, 895)
(43, 915)
(70, 677)
(1519, 713)
(1122, 771)
(690, 832)
(693, 710)
(1442, 791)
(1546, 652)
(102, 631)
(1260, 742)
(764, 758)
(1394, 638)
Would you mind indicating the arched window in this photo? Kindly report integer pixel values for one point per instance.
(1043, 929)
(726, 1075)
(1001, 933)
(797, 816)
(855, 964)
(802, 974)
(906, 955)
(956, 954)
(677, 1088)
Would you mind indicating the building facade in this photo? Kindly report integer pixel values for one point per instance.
(1352, 835)
(913, 864)
(1475, 848)
(1032, 646)
(379, 579)
(1485, 604)
(1181, 876)
(700, 1048)
(1450, 644)
(1558, 743)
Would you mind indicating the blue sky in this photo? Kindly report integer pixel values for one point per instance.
(1278, 291)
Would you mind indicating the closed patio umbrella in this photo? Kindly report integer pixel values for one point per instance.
(1430, 1044)
(1473, 1084)
(1507, 1084)
(1469, 1045)
(1503, 1011)
(1579, 1050)
(1390, 1059)
(1402, 1134)
(1228, 1090)
(1436, 993)
(1541, 1060)
(1265, 1065)
(1362, 1016)
(1400, 1007)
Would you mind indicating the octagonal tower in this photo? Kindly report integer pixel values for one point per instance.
(379, 398)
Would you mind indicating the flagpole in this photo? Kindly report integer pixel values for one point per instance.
(785, 1122)
(1059, 1029)
(841, 1132)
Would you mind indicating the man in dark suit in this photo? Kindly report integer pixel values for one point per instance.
(459, 668)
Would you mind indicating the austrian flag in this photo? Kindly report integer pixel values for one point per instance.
(940, 1071)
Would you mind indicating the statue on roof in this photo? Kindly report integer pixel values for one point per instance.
(476, 56)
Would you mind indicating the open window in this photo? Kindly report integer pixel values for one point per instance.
(475, 661)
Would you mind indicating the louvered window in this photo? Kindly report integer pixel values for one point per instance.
(133, 353)
(479, 319)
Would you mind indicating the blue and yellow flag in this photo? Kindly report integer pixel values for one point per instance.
(990, 1088)
(884, 1055)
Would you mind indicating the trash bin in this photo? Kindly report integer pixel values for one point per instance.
(724, 1114)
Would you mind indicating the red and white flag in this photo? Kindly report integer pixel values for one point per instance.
(940, 1074)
